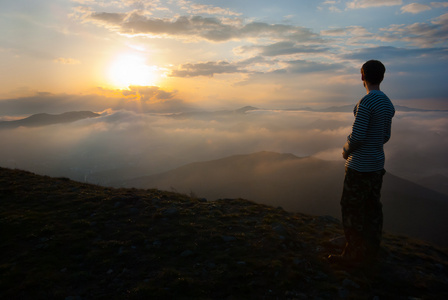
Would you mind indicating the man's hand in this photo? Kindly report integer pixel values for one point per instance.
(344, 155)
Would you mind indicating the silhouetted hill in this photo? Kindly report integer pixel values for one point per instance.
(306, 185)
(67, 240)
(48, 119)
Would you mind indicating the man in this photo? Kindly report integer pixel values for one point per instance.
(362, 215)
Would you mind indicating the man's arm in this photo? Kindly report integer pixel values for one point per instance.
(388, 132)
(359, 131)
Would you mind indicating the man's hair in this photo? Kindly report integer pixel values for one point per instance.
(373, 71)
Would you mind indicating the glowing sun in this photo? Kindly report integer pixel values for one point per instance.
(131, 69)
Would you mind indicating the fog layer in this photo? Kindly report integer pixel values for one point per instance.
(125, 144)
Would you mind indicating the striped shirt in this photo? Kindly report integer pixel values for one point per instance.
(371, 130)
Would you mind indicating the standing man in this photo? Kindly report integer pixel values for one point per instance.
(362, 215)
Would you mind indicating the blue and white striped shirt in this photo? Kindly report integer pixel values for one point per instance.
(371, 130)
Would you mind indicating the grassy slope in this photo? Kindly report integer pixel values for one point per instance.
(67, 240)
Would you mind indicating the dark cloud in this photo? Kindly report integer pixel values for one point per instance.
(111, 18)
(245, 66)
(393, 53)
(303, 66)
(212, 29)
(207, 69)
(284, 48)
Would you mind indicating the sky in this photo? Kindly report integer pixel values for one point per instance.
(138, 63)
(178, 54)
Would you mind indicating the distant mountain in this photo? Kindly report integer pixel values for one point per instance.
(306, 185)
(48, 119)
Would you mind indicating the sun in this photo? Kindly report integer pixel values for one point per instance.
(131, 69)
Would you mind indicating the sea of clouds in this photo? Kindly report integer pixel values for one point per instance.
(122, 144)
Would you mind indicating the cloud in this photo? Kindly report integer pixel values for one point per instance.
(206, 69)
(195, 8)
(419, 34)
(66, 61)
(414, 8)
(148, 93)
(349, 36)
(287, 48)
(208, 28)
(439, 4)
(369, 3)
(109, 18)
(302, 66)
(137, 98)
(390, 53)
(258, 66)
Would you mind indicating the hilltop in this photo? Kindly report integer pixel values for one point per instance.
(44, 119)
(68, 240)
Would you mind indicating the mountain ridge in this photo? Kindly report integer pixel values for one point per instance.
(44, 119)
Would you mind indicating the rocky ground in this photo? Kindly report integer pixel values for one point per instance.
(67, 240)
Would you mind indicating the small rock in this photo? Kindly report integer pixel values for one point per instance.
(211, 265)
(279, 228)
(170, 211)
(350, 283)
(186, 253)
(226, 238)
(73, 298)
(134, 210)
(343, 293)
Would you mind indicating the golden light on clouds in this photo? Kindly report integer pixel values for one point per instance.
(132, 69)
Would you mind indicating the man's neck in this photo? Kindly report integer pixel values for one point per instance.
(371, 87)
